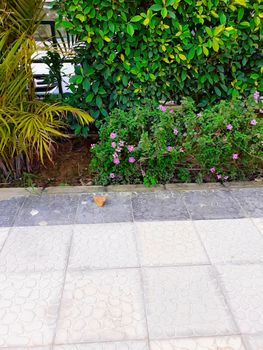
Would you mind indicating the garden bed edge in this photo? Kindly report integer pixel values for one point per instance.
(7, 193)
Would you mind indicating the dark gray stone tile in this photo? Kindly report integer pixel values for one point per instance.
(158, 206)
(212, 204)
(117, 209)
(48, 210)
(8, 210)
(251, 200)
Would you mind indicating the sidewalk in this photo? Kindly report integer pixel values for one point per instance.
(167, 270)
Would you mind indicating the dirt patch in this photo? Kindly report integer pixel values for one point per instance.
(70, 165)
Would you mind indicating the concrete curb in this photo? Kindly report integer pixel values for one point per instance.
(7, 193)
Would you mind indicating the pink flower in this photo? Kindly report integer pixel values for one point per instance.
(256, 96)
(121, 143)
(235, 155)
(226, 178)
(199, 115)
(213, 170)
(229, 127)
(253, 122)
(130, 148)
(92, 145)
(175, 131)
(219, 177)
(261, 111)
(113, 135)
(169, 149)
(132, 160)
(115, 155)
(116, 161)
(118, 149)
(113, 145)
(112, 175)
(163, 108)
(181, 150)
(172, 110)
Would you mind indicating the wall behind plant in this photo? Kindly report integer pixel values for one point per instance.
(162, 49)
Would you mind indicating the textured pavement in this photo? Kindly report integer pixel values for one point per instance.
(168, 270)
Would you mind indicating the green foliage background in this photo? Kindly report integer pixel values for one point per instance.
(163, 50)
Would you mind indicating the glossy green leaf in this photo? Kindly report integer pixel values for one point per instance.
(164, 12)
(191, 53)
(89, 97)
(136, 18)
(130, 29)
(86, 85)
(156, 7)
(215, 44)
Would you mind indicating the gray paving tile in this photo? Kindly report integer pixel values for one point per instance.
(3, 235)
(212, 204)
(103, 246)
(235, 240)
(9, 209)
(105, 305)
(255, 342)
(131, 345)
(169, 243)
(117, 209)
(28, 308)
(158, 206)
(36, 249)
(48, 209)
(185, 301)
(251, 199)
(244, 289)
(209, 343)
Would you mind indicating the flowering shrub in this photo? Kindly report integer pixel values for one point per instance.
(152, 144)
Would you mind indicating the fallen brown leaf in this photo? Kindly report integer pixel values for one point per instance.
(100, 200)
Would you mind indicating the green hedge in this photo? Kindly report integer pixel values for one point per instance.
(162, 49)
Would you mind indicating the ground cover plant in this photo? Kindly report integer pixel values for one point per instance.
(162, 50)
(153, 144)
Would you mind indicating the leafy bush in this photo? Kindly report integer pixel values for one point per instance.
(158, 145)
(163, 50)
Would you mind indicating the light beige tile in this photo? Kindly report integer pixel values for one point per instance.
(244, 290)
(255, 342)
(185, 301)
(102, 306)
(259, 224)
(3, 235)
(36, 249)
(103, 246)
(132, 345)
(34, 348)
(169, 243)
(228, 241)
(212, 343)
(28, 308)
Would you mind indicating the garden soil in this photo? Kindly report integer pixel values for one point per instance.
(70, 166)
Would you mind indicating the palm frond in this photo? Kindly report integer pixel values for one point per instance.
(28, 127)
